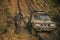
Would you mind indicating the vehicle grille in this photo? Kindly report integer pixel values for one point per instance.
(45, 24)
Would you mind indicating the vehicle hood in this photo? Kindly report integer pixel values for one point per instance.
(43, 21)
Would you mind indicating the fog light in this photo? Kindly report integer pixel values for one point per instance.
(52, 24)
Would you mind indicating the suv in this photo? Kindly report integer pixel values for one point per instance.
(42, 22)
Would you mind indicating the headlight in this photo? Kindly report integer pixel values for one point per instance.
(52, 24)
(38, 25)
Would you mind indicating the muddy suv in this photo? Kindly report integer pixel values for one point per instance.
(42, 22)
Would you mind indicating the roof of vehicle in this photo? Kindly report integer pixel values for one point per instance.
(40, 12)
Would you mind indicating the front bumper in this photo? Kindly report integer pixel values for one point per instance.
(44, 29)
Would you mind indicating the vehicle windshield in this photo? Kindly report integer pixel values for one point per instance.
(41, 17)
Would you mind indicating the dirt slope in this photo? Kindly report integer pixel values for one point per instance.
(27, 7)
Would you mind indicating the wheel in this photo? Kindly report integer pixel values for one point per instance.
(34, 33)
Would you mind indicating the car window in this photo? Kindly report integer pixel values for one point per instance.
(41, 17)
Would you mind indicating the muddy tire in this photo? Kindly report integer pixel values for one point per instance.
(34, 32)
